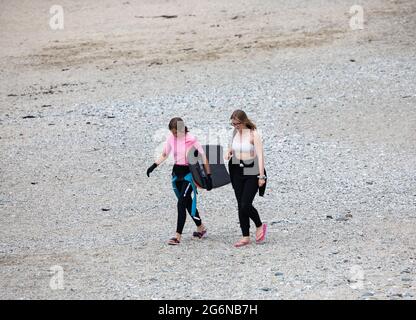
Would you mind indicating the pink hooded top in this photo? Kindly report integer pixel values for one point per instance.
(180, 147)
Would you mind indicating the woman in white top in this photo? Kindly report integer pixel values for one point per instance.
(246, 167)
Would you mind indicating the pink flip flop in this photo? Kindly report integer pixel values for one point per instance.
(200, 235)
(241, 243)
(173, 241)
(263, 235)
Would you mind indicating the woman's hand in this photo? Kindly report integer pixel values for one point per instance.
(228, 155)
(162, 158)
(261, 182)
(151, 168)
(209, 182)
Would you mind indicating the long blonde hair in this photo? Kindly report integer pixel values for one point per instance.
(241, 116)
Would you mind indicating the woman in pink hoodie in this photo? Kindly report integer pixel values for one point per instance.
(179, 142)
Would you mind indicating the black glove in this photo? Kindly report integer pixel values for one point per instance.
(209, 182)
(150, 169)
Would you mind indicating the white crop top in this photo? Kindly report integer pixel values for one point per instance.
(244, 146)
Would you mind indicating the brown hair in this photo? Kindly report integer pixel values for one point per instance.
(241, 116)
(173, 124)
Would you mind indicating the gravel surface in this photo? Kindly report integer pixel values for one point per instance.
(81, 119)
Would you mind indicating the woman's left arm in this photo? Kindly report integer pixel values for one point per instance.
(206, 164)
(258, 145)
(207, 170)
(198, 146)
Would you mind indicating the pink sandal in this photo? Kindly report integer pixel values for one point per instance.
(241, 243)
(263, 234)
(173, 241)
(200, 235)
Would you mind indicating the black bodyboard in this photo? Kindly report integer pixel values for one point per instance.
(215, 156)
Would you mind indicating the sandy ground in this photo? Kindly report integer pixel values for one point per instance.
(83, 112)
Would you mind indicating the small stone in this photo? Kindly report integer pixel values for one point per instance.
(341, 219)
(158, 63)
(168, 16)
(348, 215)
(329, 217)
(105, 209)
(278, 274)
(368, 294)
(265, 289)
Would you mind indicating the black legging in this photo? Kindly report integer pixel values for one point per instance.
(245, 188)
(185, 198)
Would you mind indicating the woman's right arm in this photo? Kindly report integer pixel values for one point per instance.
(165, 152)
(229, 153)
(162, 158)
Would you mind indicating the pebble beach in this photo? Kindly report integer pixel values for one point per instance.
(84, 110)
